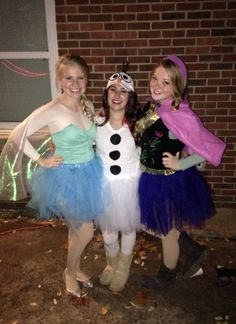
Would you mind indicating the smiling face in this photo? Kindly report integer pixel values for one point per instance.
(73, 80)
(160, 85)
(117, 97)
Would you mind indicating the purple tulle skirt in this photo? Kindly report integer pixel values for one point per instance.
(174, 201)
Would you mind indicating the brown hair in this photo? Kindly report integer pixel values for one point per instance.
(130, 112)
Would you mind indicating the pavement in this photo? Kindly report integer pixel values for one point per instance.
(33, 257)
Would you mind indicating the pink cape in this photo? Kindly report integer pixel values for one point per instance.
(185, 125)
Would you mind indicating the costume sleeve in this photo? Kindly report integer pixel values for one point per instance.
(39, 119)
(42, 119)
(16, 168)
(191, 160)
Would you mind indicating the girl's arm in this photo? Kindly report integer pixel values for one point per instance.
(39, 119)
(191, 160)
(174, 163)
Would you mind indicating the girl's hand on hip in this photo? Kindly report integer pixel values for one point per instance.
(171, 161)
(50, 162)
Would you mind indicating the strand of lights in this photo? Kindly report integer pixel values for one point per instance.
(14, 68)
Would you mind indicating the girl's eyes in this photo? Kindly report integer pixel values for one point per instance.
(164, 82)
(71, 78)
(113, 89)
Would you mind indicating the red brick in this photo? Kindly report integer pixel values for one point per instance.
(89, 9)
(101, 35)
(202, 33)
(113, 8)
(124, 17)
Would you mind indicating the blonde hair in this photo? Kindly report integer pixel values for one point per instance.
(69, 59)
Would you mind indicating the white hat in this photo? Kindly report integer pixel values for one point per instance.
(123, 79)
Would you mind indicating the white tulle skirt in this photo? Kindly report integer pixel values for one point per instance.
(122, 212)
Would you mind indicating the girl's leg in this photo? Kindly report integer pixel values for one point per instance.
(170, 247)
(112, 252)
(166, 275)
(77, 241)
(111, 242)
(127, 242)
(124, 262)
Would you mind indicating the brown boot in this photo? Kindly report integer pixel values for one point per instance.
(122, 272)
(108, 272)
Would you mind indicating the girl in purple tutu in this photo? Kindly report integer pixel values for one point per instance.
(66, 184)
(172, 192)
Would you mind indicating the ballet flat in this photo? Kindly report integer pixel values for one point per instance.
(75, 293)
(86, 283)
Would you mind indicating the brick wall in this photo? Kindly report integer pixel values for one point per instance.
(202, 33)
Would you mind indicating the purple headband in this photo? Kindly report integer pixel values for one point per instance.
(179, 63)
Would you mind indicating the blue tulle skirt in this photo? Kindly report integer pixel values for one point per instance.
(70, 191)
(174, 201)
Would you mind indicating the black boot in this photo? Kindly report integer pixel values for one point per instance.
(195, 254)
(166, 278)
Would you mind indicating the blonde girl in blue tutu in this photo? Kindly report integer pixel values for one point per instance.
(66, 184)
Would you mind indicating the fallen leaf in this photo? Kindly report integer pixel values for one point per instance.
(151, 309)
(134, 305)
(141, 298)
(104, 310)
(81, 301)
(96, 257)
(218, 318)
